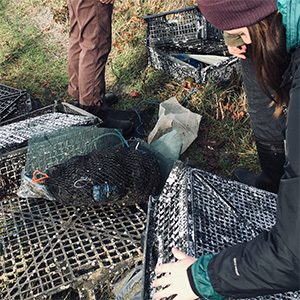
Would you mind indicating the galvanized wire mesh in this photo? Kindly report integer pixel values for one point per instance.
(46, 247)
(179, 27)
(13, 102)
(222, 72)
(62, 107)
(16, 135)
(175, 33)
(201, 213)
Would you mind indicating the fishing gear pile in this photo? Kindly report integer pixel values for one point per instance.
(89, 165)
(119, 173)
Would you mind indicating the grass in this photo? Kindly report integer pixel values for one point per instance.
(33, 56)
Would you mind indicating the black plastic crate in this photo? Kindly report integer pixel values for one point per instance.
(182, 68)
(13, 102)
(180, 28)
(47, 248)
(201, 213)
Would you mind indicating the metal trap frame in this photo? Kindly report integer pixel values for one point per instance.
(222, 72)
(171, 35)
(13, 102)
(201, 213)
(14, 133)
(47, 248)
(177, 28)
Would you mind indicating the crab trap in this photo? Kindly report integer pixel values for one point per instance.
(200, 68)
(200, 213)
(89, 166)
(48, 249)
(184, 45)
(184, 28)
(13, 102)
(15, 132)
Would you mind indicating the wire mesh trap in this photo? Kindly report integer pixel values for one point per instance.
(201, 213)
(15, 132)
(180, 28)
(85, 166)
(16, 135)
(47, 247)
(13, 102)
(58, 107)
(181, 67)
(184, 45)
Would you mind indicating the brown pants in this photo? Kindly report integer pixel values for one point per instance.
(89, 47)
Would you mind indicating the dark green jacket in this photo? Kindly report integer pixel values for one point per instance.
(270, 263)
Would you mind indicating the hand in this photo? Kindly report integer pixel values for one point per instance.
(175, 279)
(107, 1)
(238, 51)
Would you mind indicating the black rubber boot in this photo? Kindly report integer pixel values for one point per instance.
(108, 100)
(111, 119)
(272, 159)
(117, 119)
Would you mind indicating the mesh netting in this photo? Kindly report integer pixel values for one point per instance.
(201, 213)
(89, 165)
(111, 174)
(48, 249)
(16, 135)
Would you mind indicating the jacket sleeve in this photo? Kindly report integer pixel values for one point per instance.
(270, 263)
(199, 279)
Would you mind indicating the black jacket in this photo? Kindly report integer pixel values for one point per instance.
(270, 263)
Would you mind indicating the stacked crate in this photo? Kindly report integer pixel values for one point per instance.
(172, 35)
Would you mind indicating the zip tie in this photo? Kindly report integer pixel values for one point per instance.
(39, 177)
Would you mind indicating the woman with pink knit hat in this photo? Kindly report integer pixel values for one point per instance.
(265, 34)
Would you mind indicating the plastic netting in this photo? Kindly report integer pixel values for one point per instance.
(89, 165)
(111, 174)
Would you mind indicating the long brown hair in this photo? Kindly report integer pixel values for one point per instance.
(270, 57)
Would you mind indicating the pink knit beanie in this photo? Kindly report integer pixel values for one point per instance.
(233, 14)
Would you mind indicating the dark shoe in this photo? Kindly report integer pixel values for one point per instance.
(111, 118)
(110, 99)
(75, 102)
(110, 121)
(272, 159)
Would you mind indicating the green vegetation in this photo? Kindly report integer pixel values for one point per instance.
(33, 56)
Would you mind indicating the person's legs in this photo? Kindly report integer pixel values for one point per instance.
(73, 51)
(264, 125)
(90, 45)
(91, 34)
(268, 132)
